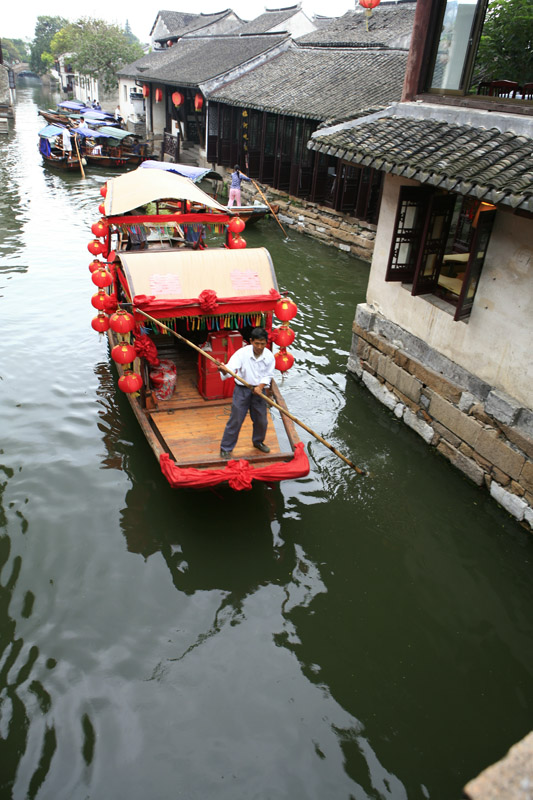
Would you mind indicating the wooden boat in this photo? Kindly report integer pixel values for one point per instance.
(212, 296)
(52, 152)
(250, 214)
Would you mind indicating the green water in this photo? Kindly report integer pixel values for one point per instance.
(333, 637)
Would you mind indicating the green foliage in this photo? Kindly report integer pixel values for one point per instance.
(15, 50)
(129, 33)
(96, 48)
(506, 47)
(45, 29)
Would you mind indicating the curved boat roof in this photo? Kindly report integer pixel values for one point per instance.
(196, 174)
(142, 186)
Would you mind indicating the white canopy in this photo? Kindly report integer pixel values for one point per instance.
(142, 186)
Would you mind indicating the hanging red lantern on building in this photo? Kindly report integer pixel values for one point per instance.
(284, 360)
(368, 5)
(102, 278)
(101, 209)
(169, 42)
(123, 353)
(100, 228)
(283, 336)
(178, 99)
(95, 264)
(237, 225)
(285, 309)
(130, 382)
(198, 101)
(100, 323)
(95, 247)
(103, 189)
(122, 322)
(98, 300)
(158, 95)
(146, 90)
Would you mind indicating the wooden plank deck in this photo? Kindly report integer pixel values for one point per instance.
(192, 427)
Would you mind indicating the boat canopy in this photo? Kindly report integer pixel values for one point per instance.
(87, 132)
(192, 282)
(142, 186)
(196, 174)
(51, 131)
(73, 105)
(117, 133)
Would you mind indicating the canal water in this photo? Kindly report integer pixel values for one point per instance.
(334, 637)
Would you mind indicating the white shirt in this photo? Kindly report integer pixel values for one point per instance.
(253, 370)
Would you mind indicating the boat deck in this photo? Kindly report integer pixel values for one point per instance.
(190, 428)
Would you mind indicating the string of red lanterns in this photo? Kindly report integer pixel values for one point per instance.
(285, 310)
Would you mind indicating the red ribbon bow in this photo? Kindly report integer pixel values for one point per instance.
(208, 300)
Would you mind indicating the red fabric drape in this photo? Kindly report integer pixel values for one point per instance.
(225, 305)
(239, 474)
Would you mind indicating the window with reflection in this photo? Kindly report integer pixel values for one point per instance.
(455, 45)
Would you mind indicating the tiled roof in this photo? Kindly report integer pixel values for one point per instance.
(319, 83)
(193, 61)
(270, 19)
(389, 26)
(179, 23)
(490, 164)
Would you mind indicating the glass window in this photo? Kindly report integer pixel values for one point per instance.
(454, 44)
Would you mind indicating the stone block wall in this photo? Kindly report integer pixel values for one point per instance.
(483, 432)
(333, 228)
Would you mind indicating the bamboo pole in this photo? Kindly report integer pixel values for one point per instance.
(270, 207)
(248, 386)
(79, 158)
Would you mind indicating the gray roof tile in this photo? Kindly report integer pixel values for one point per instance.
(389, 26)
(319, 83)
(270, 19)
(193, 61)
(179, 23)
(488, 163)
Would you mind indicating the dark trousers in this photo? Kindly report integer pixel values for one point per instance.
(245, 400)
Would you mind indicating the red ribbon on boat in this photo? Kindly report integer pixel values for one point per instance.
(110, 303)
(145, 348)
(208, 300)
(173, 307)
(239, 474)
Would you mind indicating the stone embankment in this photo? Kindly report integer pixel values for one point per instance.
(333, 228)
(483, 432)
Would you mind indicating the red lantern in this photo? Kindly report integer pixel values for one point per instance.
(102, 278)
(95, 247)
(130, 382)
(198, 101)
(283, 336)
(146, 90)
(100, 228)
(177, 99)
(101, 209)
(122, 322)
(369, 4)
(123, 353)
(95, 264)
(237, 225)
(284, 360)
(285, 309)
(98, 300)
(237, 243)
(103, 189)
(100, 323)
(158, 95)
(169, 42)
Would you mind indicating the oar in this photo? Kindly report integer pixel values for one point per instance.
(79, 158)
(248, 386)
(270, 207)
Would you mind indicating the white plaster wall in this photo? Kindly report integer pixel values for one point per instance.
(125, 86)
(160, 30)
(297, 25)
(158, 111)
(495, 342)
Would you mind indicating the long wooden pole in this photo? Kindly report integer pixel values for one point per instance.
(248, 386)
(79, 158)
(270, 207)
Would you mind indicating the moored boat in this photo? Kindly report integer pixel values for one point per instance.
(171, 294)
(53, 150)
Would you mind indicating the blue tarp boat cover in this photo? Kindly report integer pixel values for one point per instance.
(51, 131)
(72, 105)
(84, 130)
(196, 174)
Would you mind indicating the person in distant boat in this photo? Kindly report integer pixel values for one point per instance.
(118, 116)
(255, 364)
(237, 177)
(96, 105)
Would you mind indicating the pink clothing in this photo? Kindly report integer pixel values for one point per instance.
(234, 195)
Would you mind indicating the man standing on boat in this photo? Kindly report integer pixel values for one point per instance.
(255, 364)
